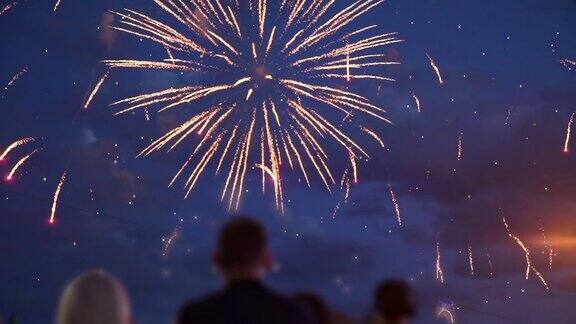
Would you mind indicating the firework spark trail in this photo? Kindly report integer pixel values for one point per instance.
(439, 271)
(569, 133)
(436, 69)
(56, 197)
(471, 260)
(14, 145)
(57, 4)
(373, 134)
(345, 186)
(310, 47)
(460, 146)
(526, 253)
(169, 241)
(539, 275)
(354, 164)
(490, 266)
(16, 77)
(336, 209)
(417, 102)
(169, 53)
(396, 204)
(548, 247)
(96, 89)
(508, 117)
(529, 266)
(7, 7)
(568, 62)
(445, 312)
(348, 75)
(18, 164)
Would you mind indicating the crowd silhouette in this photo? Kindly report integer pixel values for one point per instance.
(243, 259)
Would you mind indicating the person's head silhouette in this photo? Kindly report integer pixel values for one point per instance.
(92, 298)
(242, 251)
(394, 302)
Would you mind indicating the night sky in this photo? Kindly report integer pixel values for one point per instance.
(506, 101)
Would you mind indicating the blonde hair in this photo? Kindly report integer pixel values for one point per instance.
(95, 297)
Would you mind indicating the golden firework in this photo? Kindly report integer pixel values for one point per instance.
(272, 76)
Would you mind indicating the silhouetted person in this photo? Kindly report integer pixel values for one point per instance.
(243, 258)
(320, 313)
(94, 298)
(394, 303)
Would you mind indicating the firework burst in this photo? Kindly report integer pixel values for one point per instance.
(279, 84)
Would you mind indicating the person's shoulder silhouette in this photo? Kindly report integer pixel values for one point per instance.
(247, 302)
(243, 258)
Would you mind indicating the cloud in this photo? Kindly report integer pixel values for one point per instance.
(107, 35)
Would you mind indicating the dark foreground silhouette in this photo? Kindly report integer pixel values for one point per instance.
(243, 259)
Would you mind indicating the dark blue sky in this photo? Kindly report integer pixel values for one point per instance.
(505, 93)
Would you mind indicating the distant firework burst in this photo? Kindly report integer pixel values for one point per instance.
(272, 75)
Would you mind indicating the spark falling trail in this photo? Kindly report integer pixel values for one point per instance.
(568, 63)
(460, 146)
(471, 260)
(542, 280)
(19, 164)
(56, 197)
(446, 311)
(439, 271)
(276, 95)
(375, 136)
(96, 89)
(15, 145)
(569, 133)
(16, 77)
(436, 69)
(417, 102)
(57, 5)
(169, 241)
(7, 7)
(522, 246)
(547, 246)
(345, 186)
(529, 266)
(396, 205)
(490, 266)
